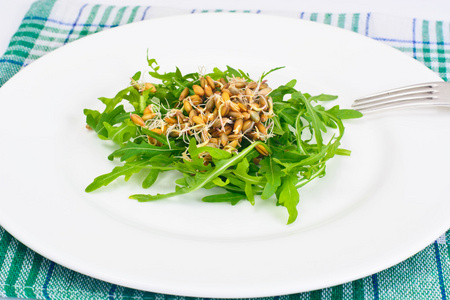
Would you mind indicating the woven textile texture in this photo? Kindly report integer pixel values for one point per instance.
(50, 24)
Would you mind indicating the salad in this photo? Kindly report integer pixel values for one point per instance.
(221, 129)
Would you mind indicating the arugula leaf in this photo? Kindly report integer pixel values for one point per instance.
(216, 154)
(267, 73)
(131, 149)
(126, 170)
(92, 117)
(289, 197)
(273, 174)
(234, 181)
(136, 76)
(279, 93)
(201, 179)
(233, 72)
(323, 97)
(249, 192)
(152, 63)
(316, 172)
(160, 163)
(111, 103)
(151, 178)
(310, 160)
(241, 172)
(234, 198)
(344, 113)
(117, 115)
(315, 121)
(121, 134)
(244, 75)
(160, 138)
(219, 182)
(217, 74)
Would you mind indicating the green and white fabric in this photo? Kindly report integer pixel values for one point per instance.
(50, 24)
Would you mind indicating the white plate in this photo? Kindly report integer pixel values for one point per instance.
(372, 210)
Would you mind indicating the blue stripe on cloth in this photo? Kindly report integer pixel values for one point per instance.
(375, 287)
(439, 267)
(193, 11)
(75, 24)
(111, 292)
(258, 11)
(145, 13)
(302, 15)
(408, 41)
(367, 24)
(414, 37)
(47, 280)
(69, 24)
(11, 62)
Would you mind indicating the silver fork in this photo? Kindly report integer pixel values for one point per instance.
(430, 94)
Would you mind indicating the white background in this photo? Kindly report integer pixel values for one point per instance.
(12, 12)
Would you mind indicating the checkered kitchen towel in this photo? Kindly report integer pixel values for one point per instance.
(50, 24)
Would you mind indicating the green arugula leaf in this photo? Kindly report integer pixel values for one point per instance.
(131, 149)
(111, 103)
(117, 115)
(234, 198)
(315, 121)
(249, 192)
(160, 138)
(233, 72)
(201, 179)
(234, 180)
(318, 171)
(146, 198)
(126, 170)
(159, 164)
(310, 161)
(267, 73)
(152, 63)
(298, 134)
(217, 74)
(216, 154)
(244, 75)
(273, 174)
(289, 197)
(92, 117)
(151, 178)
(344, 113)
(323, 97)
(291, 84)
(121, 134)
(219, 182)
(136, 76)
(241, 172)
(279, 93)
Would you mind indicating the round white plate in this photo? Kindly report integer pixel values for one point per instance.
(374, 209)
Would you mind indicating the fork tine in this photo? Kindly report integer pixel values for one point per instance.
(397, 95)
(416, 97)
(407, 90)
(410, 95)
(392, 104)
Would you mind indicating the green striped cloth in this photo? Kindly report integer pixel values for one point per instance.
(50, 24)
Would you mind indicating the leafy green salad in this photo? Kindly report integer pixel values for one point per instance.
(221, 129)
